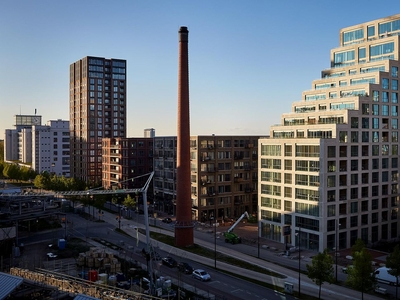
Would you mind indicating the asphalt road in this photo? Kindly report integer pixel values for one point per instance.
(220, 284)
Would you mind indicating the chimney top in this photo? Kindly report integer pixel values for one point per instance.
(183, 34)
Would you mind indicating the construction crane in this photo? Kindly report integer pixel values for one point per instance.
(231, 237)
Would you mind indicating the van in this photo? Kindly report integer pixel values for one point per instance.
(382, 275)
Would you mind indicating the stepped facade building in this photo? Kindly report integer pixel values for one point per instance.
(329, 173)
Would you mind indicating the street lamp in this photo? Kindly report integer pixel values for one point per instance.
(336, 246)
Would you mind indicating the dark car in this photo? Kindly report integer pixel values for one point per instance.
(167, 220)
(169, 262)
(185, 268)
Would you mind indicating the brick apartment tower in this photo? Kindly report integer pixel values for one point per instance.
(184, 224)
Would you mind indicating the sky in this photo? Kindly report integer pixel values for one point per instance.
(248, 60)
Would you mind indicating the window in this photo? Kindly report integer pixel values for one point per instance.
(385, 96)
(375, 96)
(354, 221)
(331, 210)
(375, 123)
(365, 137)
(354, 151)
(394, 123)
(395, 110)
(385, 83)
(395, 71)
(354, 122)
(375, 163)
(354, 165)
(365, 123)
(354, 179)
(354, 136)
(395, 84)
(395, 97)
(364, 205)
(331, 151)
(353, 207)
(374, 204)
(375, 109)
(385, 110)
(364, 151)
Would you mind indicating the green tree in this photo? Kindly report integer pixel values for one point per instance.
(11, 171)
(361, 276)
(42, 181)
(393, 263)
(321, 269)
(358, 246)
(129, 202)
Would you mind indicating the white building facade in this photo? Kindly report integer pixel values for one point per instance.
(51, 148)
(328, 174)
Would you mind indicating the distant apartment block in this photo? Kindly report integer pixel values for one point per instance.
(50, 148)
(43, 147)
(223, 175)
(17, 142)
(125, 161)
(330, 171)
(97, 110)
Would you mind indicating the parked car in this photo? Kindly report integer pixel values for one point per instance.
(169, 262)
(185, 268)
(201, 275)
(51, 255)
(167, 220)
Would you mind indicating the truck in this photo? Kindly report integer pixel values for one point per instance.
(230, 236)
(382, 275)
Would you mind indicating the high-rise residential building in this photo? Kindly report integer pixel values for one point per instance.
(50, 148)
(98, 94)
(329, 174)
(125, 161)
(223, 175)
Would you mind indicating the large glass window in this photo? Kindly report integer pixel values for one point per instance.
(379, 50)
(394, 123)
(395, 84)
(375, 96)
(365, 109)
(385, 110)
(365, 122)
(370, 31)
(375, 123)
(395, 110)
(395, 97)
(343, 57)
(375, 109)
(385, 83)
(395, 71)
(361, 54)
(385, 96)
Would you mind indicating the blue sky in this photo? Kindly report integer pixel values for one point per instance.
(248, 60)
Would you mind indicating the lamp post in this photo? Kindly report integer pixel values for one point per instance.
(336, 247)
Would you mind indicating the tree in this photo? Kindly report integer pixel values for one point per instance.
(129, 202)
(361, 276)
(358, 246)
(393, 263)
(321, 269)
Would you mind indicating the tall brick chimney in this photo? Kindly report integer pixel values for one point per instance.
(184, 223)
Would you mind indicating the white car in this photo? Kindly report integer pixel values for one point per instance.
(201, 275)
(51, 255)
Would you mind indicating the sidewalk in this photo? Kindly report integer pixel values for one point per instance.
(328, 292)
